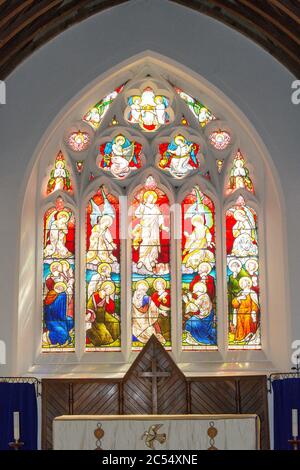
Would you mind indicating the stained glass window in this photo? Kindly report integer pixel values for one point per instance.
(220, 139)
(128, 146)
(120, 156)
(103, 289)
(95, 115)
(59, 176)
(199, 110)
(150, 231)
(239, 177)
(148, 110)
(198, 269)
(58, 279)
(179, 157)
(242, 277)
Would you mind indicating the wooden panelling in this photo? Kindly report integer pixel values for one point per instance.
(210, 396)
(154, 384)
(253, 399)
(95, 399)
(56, 401)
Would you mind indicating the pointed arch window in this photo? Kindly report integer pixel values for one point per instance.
(198, 269)
(151, 273)
(58, 278)
(103, 281)
(166, 237)
(243, 277)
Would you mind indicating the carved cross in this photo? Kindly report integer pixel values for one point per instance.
(154, 374)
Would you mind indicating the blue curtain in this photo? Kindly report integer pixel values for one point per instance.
(18, 397)
(286, 397)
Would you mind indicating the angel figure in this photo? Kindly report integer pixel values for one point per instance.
(148, 110)
(244, 232)
(198, 245)
(56, 234)
(59, 176)
(101, 240)
(120, 156)
(179, 156)
(239, 175)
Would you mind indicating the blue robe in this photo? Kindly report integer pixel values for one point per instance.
(202, 329)
(57, 321)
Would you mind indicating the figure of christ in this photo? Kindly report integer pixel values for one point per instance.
(101, 242)
(246, 311)
(56, 245)
(103, 274)
(103, 323)
(161, 304)
(198, 243)
(199, 316)
(147, 233)
(144, 314)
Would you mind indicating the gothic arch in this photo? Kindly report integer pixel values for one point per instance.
(252, 145)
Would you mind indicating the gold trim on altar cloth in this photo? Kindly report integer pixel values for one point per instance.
(153, 417)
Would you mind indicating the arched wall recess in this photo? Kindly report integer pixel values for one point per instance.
(211, 183)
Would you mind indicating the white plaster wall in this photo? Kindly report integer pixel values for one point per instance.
(44, 83)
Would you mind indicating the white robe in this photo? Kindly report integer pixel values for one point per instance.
(151, 222)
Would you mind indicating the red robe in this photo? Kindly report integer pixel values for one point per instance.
(209, 282)
(163, 304)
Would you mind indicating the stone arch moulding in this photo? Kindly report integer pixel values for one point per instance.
(268, 190)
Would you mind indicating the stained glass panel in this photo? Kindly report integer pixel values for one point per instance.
(120, 156)
(95, 115)
(198, 272)
(178, 157)
(58, 279)
(148, 110)
(239, 177)
(59, 176)
(220, 139)
(103, 289)
(151, 301)
(199, 110)
(242, 277)
(78, 141)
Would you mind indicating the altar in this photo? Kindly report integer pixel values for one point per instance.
(156, 432)
(155, 392)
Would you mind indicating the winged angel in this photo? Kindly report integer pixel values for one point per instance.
(101, 240)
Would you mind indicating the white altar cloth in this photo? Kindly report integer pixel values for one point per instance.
(182, 432)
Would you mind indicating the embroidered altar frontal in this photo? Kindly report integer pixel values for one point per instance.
(156, 432)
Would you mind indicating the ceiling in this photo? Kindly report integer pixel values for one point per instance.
(28, 24)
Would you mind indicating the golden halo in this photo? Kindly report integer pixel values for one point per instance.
(150, 193)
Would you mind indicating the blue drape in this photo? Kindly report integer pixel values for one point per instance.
(286, 397)
(18, 397)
